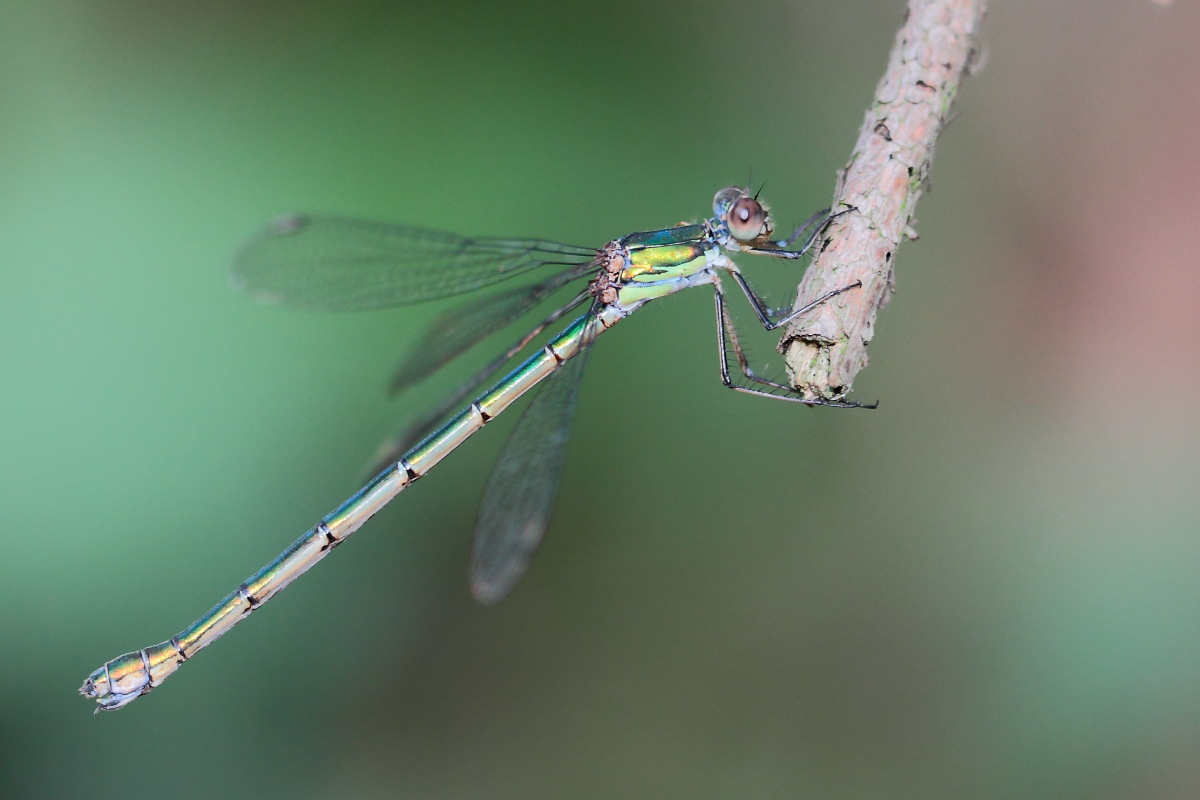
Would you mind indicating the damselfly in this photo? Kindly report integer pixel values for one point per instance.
(336, 264)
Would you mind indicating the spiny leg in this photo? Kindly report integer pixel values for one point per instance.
(817, 223)
(823, 217)
(763, 312)
(767, 315)
(727, 335)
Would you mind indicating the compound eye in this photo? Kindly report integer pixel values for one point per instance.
(747, 219)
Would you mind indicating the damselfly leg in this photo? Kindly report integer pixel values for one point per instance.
(727, 339)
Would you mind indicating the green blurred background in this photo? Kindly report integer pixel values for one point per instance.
(986, 588)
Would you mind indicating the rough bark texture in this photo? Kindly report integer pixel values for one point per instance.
(935, 49)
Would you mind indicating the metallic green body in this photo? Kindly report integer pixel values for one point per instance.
(664, 262)
(668, 261)
(640, 267)
(680, 234)
(127, 677)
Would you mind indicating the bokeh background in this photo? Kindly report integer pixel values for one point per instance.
(986, 588)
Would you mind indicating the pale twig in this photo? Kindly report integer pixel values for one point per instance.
(935, 49)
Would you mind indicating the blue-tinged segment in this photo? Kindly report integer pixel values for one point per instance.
(436, 445)
(677, 235)
(220, 618)
(354, 512)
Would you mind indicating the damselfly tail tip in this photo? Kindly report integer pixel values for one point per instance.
(126, 678)
(90, 690)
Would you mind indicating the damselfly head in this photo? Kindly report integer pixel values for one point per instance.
(744, 217)
(747, 220)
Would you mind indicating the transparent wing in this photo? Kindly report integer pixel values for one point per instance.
(461, 328)
(394, 449)
(520, 492)
(340, 264)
